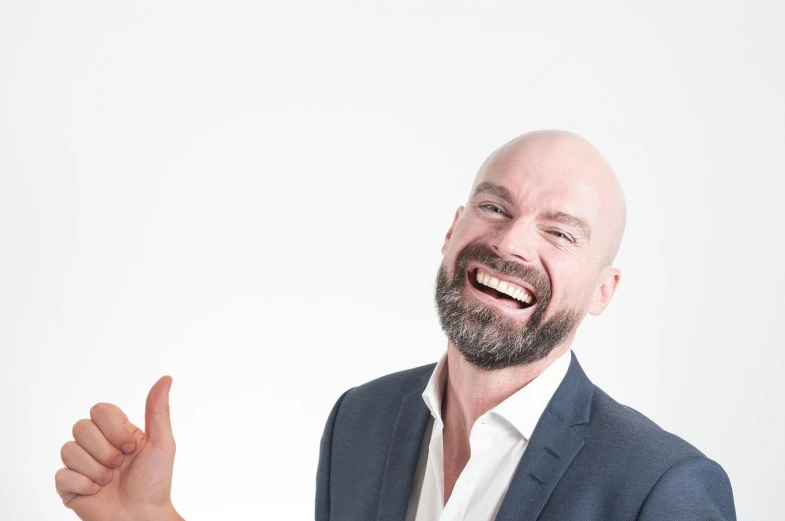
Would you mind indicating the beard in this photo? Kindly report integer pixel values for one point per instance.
(487, 338)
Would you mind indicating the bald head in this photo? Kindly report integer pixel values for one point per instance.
(550, 163)
(529, 255)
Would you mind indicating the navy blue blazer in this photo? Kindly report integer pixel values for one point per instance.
(589, 459)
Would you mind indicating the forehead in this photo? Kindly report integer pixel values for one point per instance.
(538, 188)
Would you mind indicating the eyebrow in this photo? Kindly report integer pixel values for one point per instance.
(569, 220)
(498, 190)
(504, 193)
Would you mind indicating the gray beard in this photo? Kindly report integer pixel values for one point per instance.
(486, 338)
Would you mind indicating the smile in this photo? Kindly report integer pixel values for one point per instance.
(505, 292)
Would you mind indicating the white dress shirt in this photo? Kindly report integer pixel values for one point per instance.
(497, 440)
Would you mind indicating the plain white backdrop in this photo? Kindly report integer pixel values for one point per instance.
(251, 197)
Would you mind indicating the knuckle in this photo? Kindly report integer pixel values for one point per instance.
(100, 409)
(63, 483)
(67, 450)
(81, 427)
(133, 429)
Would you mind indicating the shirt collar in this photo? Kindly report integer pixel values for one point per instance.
(522, 409)
(432, 395)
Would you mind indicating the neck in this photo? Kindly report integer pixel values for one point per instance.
(471, 391)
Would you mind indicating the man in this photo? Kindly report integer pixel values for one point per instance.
(506, 426)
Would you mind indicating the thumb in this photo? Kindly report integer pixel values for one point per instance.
(158, 425)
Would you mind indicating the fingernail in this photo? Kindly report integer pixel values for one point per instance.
(117, 461)
(95, 487)
(128, 448)
(107, 477)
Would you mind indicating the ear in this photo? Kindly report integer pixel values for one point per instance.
(458, 213)
(604, 292)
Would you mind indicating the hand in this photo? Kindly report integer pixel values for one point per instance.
(116, 472)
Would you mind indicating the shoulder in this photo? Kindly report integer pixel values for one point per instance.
(691, 488)
(376, 403)
(611, 431)
(387, 391)
(621, 439)
(651, 471)
(632, 433)
(399, 379)
(364, 418)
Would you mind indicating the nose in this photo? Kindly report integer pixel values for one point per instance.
(515, 241)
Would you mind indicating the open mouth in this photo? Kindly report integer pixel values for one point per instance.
(506, 293)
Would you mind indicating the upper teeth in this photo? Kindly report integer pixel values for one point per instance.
(508, 288)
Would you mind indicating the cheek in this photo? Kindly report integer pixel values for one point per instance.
(570, 285)
(465, 232)
(583, 293)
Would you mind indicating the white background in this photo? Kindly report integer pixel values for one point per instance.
(252, 196)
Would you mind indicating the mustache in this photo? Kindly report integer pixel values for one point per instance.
(483, 254)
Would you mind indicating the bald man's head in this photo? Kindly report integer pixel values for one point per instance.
(530, 254)
(559, 155)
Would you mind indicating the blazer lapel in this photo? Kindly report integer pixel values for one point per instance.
(551, 449)
(403, 455)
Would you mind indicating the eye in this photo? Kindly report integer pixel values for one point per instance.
(493, 208)
(562, 235)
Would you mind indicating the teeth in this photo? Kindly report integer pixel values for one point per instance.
(512, 290)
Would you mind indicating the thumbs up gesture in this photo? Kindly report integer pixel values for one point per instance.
(116, 472)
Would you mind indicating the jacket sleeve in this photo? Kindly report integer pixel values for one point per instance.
(692, 489)
(325, 462)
